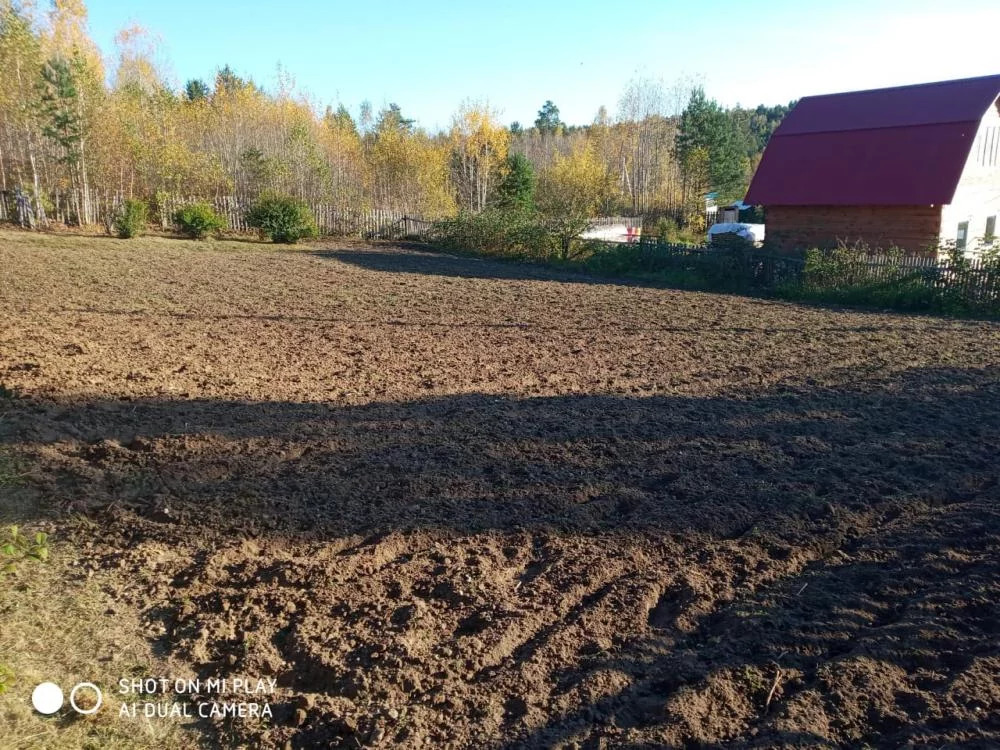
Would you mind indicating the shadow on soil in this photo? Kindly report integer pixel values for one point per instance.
(424, 259)
(416, 258)
(474, 462)
(884, 631)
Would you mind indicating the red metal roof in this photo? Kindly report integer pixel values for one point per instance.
(899, 146)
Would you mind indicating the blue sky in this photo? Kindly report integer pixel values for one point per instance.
(430, 56)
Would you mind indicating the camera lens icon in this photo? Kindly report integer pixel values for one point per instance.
(47, 698)
(97, 702)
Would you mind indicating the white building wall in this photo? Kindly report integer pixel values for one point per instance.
(977, 196)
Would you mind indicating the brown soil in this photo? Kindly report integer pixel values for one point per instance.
(456, 503)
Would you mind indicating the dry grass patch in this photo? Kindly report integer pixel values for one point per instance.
(152, 242)
(57, 624)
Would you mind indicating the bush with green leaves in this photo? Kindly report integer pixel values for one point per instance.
(667, 229)
(495, 231)
(198, 220)
(846, 275)
(614, 259)
(683, 266)
(130, 218)
(17, 547)
(282, 218)
(664, 229)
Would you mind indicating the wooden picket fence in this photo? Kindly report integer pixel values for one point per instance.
(908, 282)
(330, 219)
(611, 221)
(724, 269)
(971, 284)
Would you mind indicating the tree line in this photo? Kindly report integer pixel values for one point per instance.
(78, 130)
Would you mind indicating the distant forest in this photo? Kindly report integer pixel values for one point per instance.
(78, 129)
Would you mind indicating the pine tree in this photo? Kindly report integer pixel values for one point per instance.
(62, 122)
(707, 131)
(196, 90)
(548, 118)
(516, 191)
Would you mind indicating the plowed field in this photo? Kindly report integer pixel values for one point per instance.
(447, 502)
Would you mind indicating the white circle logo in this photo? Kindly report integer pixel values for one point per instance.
(47, 698)
(72, 698)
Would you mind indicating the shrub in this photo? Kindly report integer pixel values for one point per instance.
(730, 241)
(282, 218)
(495, 231)
(198, 220)
(846, 275)
(665, 229)
(130, 218)
(669, 230)
(614, 259)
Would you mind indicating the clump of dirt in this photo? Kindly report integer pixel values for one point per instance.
(446, 502)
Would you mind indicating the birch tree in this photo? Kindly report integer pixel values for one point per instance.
(20, 58)
(569, 193)
(479, 146)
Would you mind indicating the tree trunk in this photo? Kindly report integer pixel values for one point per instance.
(39, 208)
